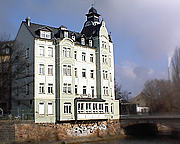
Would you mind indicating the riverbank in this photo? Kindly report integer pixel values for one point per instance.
(62, 132)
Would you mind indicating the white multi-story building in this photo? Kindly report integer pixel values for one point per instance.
(72, 73)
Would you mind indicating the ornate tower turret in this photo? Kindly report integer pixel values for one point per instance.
(92, 17)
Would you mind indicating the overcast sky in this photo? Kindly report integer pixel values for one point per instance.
(144, 32)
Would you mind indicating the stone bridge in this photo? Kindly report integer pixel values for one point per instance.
(134, 124)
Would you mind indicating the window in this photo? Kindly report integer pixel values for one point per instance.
(105, 90)
(66, 34)
(112, 108)
(106, 107)
(101, 108)
(41, 69)
(75, 55)
(84, 90)
(84, 73)
(95, 107)
(67, 70)
(67, 108)
(74, 38)
(75, 90)
(104, 44)
(41, 108)
(83, 56)
(104, 59)
(110, 75)
(80, 107)
(7, 51)
(50, 69)
(50, 108)
(66, 52)
(50, 51)
(91, 58)
(88, 107)
(50, 88)
(67, 88)
(105, 74)
(27, 53)
(41, 88)
(92, 91)
(83, 41)
(27, 89)
(109, 61)
(45, 34)
(92, 74)
(75, 72)
(90, 43)
(41, 50)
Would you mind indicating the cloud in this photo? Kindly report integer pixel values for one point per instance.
(153, 24)
(132, 77)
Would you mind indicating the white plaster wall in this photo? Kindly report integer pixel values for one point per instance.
(46, 79)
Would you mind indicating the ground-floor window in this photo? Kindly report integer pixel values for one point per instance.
(41, 108)
(112, 108)
(106, 107)
(50, 108)
(67, 108)
(101, 108)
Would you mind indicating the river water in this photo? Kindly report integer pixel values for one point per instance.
(147, 140)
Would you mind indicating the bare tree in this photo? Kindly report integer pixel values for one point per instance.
(13, 68)
(120, 93)
(160, 96)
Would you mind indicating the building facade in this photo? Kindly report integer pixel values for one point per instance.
(72, 73)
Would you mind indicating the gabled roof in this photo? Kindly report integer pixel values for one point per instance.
(33, 28)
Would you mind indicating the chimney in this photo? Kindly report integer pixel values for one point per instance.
(28, 21)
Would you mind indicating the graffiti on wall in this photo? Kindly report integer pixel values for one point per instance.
(83, 130)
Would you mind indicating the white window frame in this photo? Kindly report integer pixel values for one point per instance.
(75, 55)
(65, 34)
(41, 51)
(92, 74)
(91, 58)
(83, 41)
(41, 69)
(41, 88)
(84, 73)
(92, 91)
(50, 70)
(67, 108)
(75, 72)
(76, 89)
(66, 52)
(50, 51)
(50, 108)
(50, 88)
(41, 108)
(84, 90)
(83, 56)
(90, 43)
(67, 89)
(67, 70)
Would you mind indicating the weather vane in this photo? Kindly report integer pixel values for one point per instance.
(93, 3)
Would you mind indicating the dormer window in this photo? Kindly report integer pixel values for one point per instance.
(66, 34)
(90, 43)
(45, 34)
(73, 37)
(83, 41)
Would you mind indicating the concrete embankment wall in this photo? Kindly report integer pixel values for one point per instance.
(67, 131)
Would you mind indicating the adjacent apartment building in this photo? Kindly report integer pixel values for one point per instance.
(72, 72)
